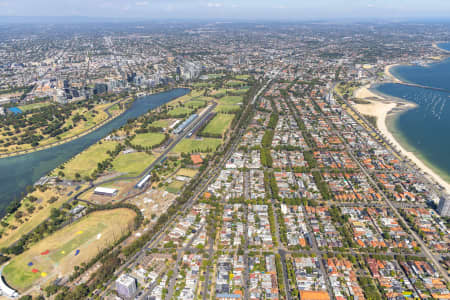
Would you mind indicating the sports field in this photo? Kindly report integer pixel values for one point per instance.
(163, 123)
(235, 83)
(132, 164)
(175, 186)
(219, 93)
(195, 103)
(149, 139)
(227, 108)
(219, 124)
(242, 77)
(56, 255)
(86, 162)
(194, 145)
(180, 110)
(33, 106)
(230, 100)
(240, 91)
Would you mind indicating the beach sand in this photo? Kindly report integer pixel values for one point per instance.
(380, 108)
(387, 71)
(364, 93)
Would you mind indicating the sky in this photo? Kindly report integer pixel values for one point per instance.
(230, 9)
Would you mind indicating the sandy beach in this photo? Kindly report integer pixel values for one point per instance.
(387, 71)
(380, 108)
(364, 93)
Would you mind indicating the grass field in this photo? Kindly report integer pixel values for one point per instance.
(231, 100)
(219, 93)
(227, 108)
(160, 123)
(219, 124)
(194, 145)
(180, 110)
(149, 139)
(235, 83)
(86, 162)
(242, 77)
(175, 186)
(215, 76)
(31, 220)
(239, 91)
(31, 106)
(195, 103)
(88, 235)
(132, 164)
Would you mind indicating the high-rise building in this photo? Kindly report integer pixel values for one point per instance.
(444, 206)
(126, 286)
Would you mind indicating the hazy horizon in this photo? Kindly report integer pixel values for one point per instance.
(228, 9)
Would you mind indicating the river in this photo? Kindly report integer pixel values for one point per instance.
(20, 171)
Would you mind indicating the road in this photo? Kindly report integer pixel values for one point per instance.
(160, 158)
(425, 249)
(211, 174)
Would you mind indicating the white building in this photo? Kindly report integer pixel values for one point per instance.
(444, 206)
(126, 286)
(105, 191)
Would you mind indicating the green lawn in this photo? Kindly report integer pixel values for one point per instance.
(219, 124)
(179, 111)
(231, 100)
(194, 145)
(227, 108)
(149, 139)
(239, 91)
(164, 123)
(195, 103)
(115, 107)
(242, 77)
(132, 164)
(33, 106)
(215, 76)
(235, 83)
(175, 186)
(219, 93)
(86, 162)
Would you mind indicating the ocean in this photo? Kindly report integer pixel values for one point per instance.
(424, 130)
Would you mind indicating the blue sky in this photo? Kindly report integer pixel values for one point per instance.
(238, 9)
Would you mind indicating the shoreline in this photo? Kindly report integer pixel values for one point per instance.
(388, 73)
(383, 107)
(436, 46)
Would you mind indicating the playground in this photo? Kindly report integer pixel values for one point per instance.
(58, 254)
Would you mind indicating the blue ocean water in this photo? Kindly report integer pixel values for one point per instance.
(445, 46)
(426, 128)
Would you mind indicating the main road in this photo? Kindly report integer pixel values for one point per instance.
(425, 249)
(211, 173)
